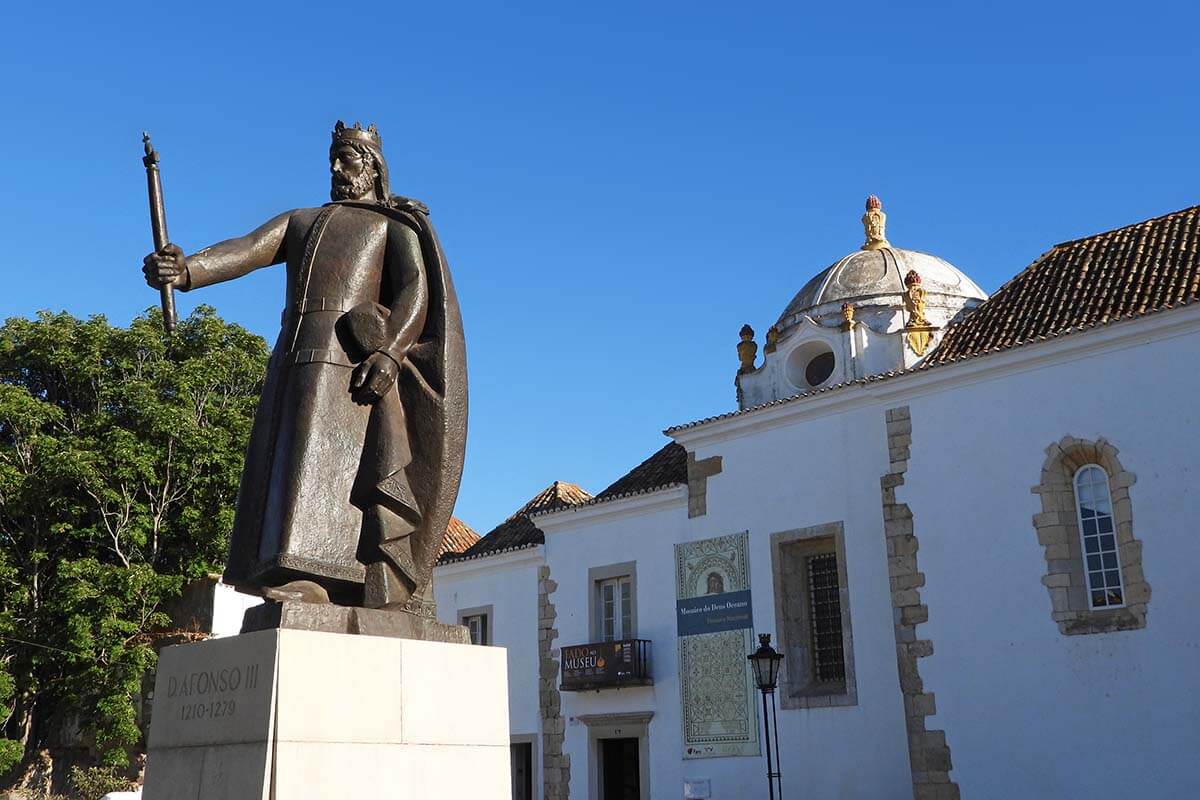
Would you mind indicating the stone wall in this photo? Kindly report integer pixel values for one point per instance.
(929, 754)
(556, 765)
(698, 473)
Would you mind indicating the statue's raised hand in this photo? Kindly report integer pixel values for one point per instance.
(167, 267)
(373, 377)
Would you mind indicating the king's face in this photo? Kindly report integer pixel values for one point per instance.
(352, 177)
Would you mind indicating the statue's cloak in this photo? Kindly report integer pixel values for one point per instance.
(433, 392)
(407, 476)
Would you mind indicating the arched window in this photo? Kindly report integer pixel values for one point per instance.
(1098, 537)
(1093, 559)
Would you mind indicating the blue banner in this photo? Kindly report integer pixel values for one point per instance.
(711, 613)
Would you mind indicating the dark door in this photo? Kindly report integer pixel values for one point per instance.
(620, 770)
(522, 770)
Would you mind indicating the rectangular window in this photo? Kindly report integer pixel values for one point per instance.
(813, 617)
(616, 608)
(477, 624)
(612, 602)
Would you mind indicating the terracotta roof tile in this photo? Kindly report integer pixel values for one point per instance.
(667, 467)
(518, 532)
(1134, 270)
(557, 495)
(458, 538)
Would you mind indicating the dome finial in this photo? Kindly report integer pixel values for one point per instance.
(875, 224)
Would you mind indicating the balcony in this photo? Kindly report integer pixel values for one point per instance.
(606, 665)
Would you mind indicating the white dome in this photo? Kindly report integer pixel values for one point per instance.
(872, 280)
(876, 310)
(876, 277)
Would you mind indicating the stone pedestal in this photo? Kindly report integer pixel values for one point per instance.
(345, 619)
(307, 715)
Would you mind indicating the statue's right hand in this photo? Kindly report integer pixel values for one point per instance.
(166, 267)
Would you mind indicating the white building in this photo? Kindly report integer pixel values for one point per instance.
(948, 511)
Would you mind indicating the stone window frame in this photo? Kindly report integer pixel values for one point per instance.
(795, 690)
(596, 575)
(480, 611)
(1057, 529)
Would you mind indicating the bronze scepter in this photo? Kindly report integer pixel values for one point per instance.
(158, 223)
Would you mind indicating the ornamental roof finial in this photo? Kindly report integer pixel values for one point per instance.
(747, 350)
(875, 224)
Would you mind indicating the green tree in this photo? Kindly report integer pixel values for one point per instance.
(120, 453)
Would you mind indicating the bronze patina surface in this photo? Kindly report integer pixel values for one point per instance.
(356, 452)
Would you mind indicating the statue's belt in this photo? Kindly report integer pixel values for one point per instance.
(337, 357)
(310, 305)
(365, 322)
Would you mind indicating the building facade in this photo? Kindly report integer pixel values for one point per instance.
(965, 521)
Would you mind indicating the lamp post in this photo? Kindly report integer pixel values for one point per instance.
(765, 662)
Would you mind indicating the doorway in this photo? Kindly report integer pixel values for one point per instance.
(521, 755)
(620, 769)
(618, 748)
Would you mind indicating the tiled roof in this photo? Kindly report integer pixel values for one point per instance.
(458, 538)
(518, 531)
(557, 495)
(1127, 272)
(667, 467)
(1077, 285)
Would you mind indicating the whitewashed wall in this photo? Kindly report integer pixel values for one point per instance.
(825, 470)
(1027, 712)
(602, 535)
(508, 583)
(1030, 712)
(822, 469)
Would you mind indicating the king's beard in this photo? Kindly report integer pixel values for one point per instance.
(355, 188)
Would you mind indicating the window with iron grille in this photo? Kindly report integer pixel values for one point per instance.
(825, 619)
(812, 612)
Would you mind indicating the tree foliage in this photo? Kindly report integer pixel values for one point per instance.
(98, 781)
(120, 453)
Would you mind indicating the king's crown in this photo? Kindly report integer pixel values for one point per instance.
(357, 134)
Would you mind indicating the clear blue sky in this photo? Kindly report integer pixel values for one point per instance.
(619, 186)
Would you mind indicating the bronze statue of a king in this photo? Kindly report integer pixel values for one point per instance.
(356, 452)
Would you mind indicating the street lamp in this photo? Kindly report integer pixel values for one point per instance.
(765, 662)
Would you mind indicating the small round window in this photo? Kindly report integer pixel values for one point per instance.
(810, 365)
(819, 369)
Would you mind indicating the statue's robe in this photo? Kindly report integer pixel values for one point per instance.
(330, 485)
